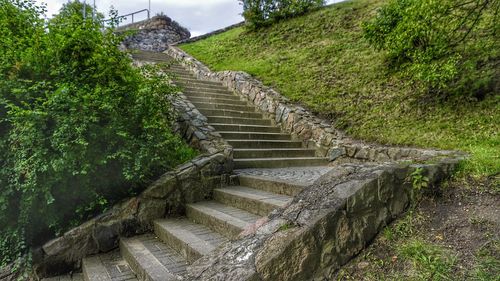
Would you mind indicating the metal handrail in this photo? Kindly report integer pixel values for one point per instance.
(131, 14)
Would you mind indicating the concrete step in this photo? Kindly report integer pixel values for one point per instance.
(274, 152)
(254, 136)
(230, 113)
(151, 259)
(178, 70)
(191, 239)
(74, 277)
(209, 90)
(255, 201)
(228, 96)
(152, 56)
(202, 85)
(271, 185)
(197, 81)
(224, 106)
(245, 128)
(264, 143)
(226, 220)
(107, 267)
(207, 100)
(238, 120)
(244, 163)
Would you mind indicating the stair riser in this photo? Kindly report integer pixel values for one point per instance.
(196, 82)
(184, 249)
(274, 153)
(211, 95)
(203, 85)
(211, 106)
(253, 206)
(213, 223)
(197, 100)
(270, 186)
(264, 144)
(235, 120)
(282, 163)
(237, 128)
(254, 136)
(195, 90)
(222, 112)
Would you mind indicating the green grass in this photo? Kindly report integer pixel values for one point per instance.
(322, 62)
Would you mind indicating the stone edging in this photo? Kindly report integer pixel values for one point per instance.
(315, 132)
(323, 227)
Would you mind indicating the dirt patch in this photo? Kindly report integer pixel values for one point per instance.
(452, 236)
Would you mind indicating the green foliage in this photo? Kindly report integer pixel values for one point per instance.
(428, 41)
(259, 13)
(322, 61)
(80, 128)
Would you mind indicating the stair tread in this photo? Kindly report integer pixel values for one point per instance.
(273, 149)
(155, 259)
(276, 141)
(231, 215)
(254, 194)
(281, 158)
(74, 277)
(107, 267)
(198, 237)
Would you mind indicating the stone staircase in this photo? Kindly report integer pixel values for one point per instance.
(270, 171)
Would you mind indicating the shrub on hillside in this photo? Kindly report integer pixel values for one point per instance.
(437, 42)
(258, 13)
(80, 127)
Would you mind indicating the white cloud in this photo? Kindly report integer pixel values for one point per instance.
(199, 16)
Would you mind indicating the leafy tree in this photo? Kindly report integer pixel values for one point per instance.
(80, 128)
(259, 13)
(436, 42)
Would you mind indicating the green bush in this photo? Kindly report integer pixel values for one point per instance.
(435, 42)
(80, 127)
(259, 13)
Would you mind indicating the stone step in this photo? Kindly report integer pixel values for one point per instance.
(197, 81)
(155, 57)
(274, 152)
(228, 96)
(182, 76)
(206, 100)
(226, 220)
(208, 90)
(238, 120)
(244, 163)
(191, 239)
(202, 85)
(107, 267)
(245, 128)
(254, 136)
(151, 259)
(224, 106)
(264, 143)
(255, 201)
(74, 277)
(177, 70)
(230, 113)
(273, 185)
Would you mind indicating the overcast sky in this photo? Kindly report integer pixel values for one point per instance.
(199, 16)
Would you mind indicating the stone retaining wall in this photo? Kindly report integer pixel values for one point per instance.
(324, 226)
(154, 34)
(315, 132)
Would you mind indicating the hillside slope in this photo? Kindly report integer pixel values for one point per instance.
(321, 61)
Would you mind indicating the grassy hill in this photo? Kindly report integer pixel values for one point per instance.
(321, 61)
